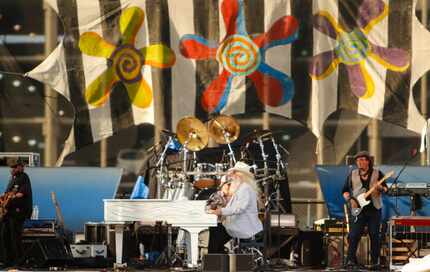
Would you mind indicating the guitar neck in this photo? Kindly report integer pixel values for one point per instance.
(368, 193)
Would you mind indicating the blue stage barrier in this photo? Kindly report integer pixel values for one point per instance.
(332, 179)
(80, 191)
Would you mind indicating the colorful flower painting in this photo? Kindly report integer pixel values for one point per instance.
(125, 62)
(240, 54)
(353, 49)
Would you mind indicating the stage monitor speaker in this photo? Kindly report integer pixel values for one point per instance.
(45, 252)
(241, 262)
(215, 263)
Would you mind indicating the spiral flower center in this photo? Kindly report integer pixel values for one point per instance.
(127, 62)
(239, 55)
(352, 47)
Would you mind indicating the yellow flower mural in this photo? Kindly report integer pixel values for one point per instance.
(125, 62)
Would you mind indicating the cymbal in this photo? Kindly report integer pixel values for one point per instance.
(257, 133)
(223, 124)
(192, 133)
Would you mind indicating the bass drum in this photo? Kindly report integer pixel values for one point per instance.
(204, 194)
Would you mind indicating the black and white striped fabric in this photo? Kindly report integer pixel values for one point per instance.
(69, 71)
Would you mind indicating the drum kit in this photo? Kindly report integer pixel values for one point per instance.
(189, 178)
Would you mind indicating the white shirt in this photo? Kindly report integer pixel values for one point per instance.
(241, 213)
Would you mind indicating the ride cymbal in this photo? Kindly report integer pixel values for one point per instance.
(224, 129)
(192, 133)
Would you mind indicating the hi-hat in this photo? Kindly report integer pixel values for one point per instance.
(192, 133)
(224, 129)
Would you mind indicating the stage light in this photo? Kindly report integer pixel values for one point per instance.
(16, 139)
(17, 27)
(286, 137)
(1, 134)
(61, 112)
(31, 88)
(32, 142)
(41, 145)
(16, 83)
(32, 34)
(1, 76)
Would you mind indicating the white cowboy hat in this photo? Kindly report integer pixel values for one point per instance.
(243, 168)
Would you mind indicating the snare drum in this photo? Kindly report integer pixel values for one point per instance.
(205, 176)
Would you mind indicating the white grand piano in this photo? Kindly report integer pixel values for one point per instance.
(189, 215)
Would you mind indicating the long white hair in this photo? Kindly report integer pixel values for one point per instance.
(250, 180)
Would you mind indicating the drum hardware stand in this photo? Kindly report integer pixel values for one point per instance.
(161, 168)
(263, 155)
(279, 163)
(227, 135)
(163, 154)
(267, 237)
(185, 150)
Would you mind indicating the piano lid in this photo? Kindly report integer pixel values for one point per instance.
(176, 212)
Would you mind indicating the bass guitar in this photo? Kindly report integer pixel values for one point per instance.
(360, 197)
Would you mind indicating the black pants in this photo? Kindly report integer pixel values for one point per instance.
(371, 218)
(218, 236)
(11, 239)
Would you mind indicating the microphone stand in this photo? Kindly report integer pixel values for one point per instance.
(395, 182)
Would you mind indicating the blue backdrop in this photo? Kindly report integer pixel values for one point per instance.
(80, 191)
(332, 179)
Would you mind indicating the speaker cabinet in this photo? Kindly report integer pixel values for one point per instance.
(45, 252)
(311, 248)
(241, 262)
(215, 263)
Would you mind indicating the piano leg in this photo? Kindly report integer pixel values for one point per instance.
(119, 233)
(193, 255)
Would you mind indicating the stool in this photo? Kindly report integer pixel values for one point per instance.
(251, 247)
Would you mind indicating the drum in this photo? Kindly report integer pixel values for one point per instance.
(205, 176)
(178, 190)
(221, 169)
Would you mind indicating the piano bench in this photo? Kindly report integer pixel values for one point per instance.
(250, 247)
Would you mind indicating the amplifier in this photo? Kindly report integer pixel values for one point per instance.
(215, 263)
(95, 233)
(283, 220)
(227, 262)
(45, 252)
(331, 226)
(39, 228)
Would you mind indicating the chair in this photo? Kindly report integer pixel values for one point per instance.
(252, 246)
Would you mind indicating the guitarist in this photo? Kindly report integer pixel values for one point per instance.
(365, 176)
(18, 209)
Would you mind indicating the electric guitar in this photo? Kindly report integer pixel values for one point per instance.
(360, 197)
(4, 201)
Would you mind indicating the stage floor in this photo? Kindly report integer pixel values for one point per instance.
(184, 270)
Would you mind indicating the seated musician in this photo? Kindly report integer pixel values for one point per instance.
(365, 176)
(239, 217)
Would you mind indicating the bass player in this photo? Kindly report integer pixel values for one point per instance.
(365, 177)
